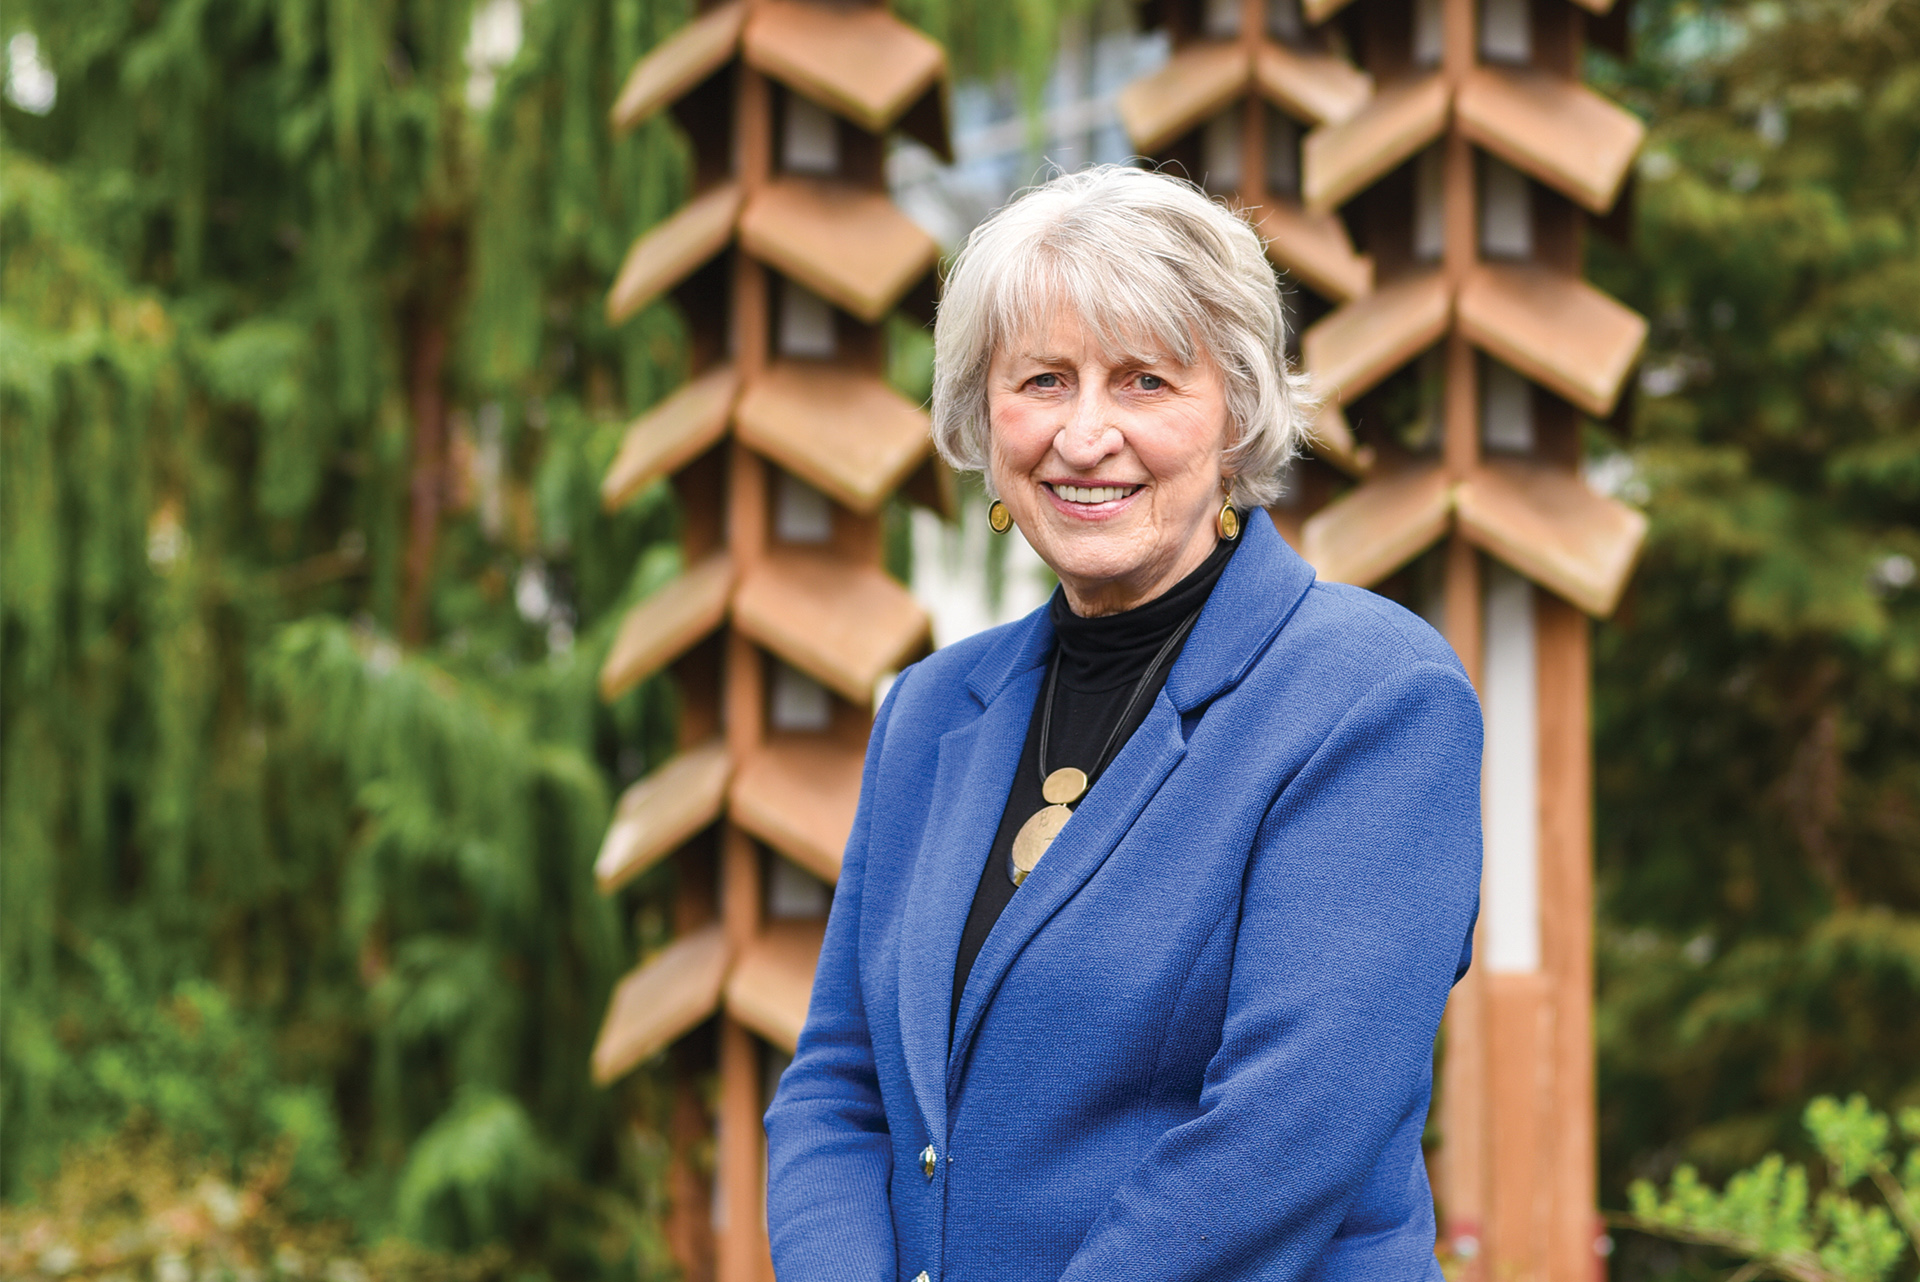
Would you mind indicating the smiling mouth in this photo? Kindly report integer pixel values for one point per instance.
(1091, 494)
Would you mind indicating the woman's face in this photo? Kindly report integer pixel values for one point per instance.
(1112, 471)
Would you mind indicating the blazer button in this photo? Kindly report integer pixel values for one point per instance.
(927, 1160)
(921, 1276)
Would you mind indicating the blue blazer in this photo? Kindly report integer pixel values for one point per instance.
(1198, 1043)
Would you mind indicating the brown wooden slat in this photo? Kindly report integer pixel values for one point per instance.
(862, 63)
(934, 486)
(843, 431)
(1331, 438)
(1195, 85)
(840, 623)
(671, 435)
(660, 812)
(1350, 350)
(1316, 248)
(1556, 329)
(1379, 526)
(848, 245)
(664, 626)
(670, 252)
(772, 983)
(799, 796)
(1544, 522)
(1551, 127)
(1338, 160)
(661, 1001)
(680, 62)
(1318, 88)
(1318, 11)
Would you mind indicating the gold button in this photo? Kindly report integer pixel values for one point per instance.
(921, 1276)
(927, 1158)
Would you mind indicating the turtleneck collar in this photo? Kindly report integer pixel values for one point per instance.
(1112, 650)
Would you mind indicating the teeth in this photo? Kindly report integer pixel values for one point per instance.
(1093, 493)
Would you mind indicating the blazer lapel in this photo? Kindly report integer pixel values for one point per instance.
(974, 774)
(1083, 845)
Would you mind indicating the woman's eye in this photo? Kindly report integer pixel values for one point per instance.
(1151, 382)
(1046, 382)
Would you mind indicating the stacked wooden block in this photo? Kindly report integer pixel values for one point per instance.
(1427, 170)
(783, 447)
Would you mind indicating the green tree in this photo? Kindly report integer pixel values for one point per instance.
(304, 393)
(1758, 732)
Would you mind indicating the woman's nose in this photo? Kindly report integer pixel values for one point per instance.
(1088, 435)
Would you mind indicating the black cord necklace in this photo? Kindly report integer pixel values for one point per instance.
(1063, 787)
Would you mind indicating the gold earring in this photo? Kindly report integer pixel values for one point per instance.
(1228, 522)
(998, 517)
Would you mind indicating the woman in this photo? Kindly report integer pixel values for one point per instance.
(1155, 896)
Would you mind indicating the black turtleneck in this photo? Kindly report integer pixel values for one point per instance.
(1100, 659)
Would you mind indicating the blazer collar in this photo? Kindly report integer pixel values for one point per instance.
(1263, 583)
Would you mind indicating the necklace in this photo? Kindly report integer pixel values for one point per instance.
(1063, 787)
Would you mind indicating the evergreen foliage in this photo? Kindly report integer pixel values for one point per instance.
(1766, 1214)
(304, 355)
(1758, 732)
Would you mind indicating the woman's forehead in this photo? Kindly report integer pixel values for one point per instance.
(1065, 332)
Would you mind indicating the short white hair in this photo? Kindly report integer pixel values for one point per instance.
(1143, 259)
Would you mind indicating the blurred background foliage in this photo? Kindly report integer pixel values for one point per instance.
(305, 392)
(1758, 731)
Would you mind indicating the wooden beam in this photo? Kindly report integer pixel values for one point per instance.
(661, 1000)
(1349, 351)
(1554, 128)
(769, 987)
(1520, 1063)
(841, 624)
(1546, 523)
(1556, 329)
(1338, 160)
(799, 795)
(1195, 85)
(1318, 88)
(658, 813)
(1318, 11)
(1566, 886)
(678, 64)
(671, 435)
(666, 624)
(1316, 248)
(849, 245)
(843, 431)
(670, 252)
(1379, 526)
(859, 62)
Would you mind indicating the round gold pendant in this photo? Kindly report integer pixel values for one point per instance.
(1065, 786)
(1035, 835)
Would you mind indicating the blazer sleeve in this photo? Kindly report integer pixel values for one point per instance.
(829, 1155)
(1362, 884)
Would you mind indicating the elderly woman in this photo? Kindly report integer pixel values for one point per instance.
(1155, 896)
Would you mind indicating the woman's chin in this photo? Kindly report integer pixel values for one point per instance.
(1094, 565)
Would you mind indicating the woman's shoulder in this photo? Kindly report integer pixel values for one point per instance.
(1349, 640)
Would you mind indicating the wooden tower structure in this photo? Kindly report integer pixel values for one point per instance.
(1428, 170)
(783, 448)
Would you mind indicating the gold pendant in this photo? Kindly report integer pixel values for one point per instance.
(1035, 835)
(1065, 786)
